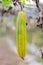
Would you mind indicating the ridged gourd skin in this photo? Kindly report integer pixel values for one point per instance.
(21, 34)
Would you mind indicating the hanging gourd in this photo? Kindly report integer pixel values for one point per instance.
(21, 34)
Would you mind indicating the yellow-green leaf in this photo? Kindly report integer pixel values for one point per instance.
(6, 3)
(22, 1)
(28, 0)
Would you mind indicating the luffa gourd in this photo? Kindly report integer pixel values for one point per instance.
(21, 34)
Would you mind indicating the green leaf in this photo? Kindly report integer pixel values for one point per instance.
(22, 1)
(40, 38)
(38, 59)
(7, 3)
(28, 0)
(15, 18)
(29, 37)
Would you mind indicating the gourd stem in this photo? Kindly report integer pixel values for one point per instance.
(22, 58)
(21, 7)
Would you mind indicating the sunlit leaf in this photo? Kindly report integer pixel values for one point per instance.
(6, 3)
(22, 1)
(28, 0)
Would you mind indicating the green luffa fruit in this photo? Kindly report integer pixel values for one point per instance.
(21, 34)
